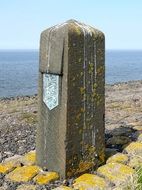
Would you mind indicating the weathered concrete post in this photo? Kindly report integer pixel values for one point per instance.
(70, 135)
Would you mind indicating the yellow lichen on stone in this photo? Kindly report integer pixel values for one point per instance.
(119, 157)
(102, 157)
(100, 70)
(134, 148)
(29, 158)
(115, 172)
(63, 188)
(10, 163)
(46, 177)
(119, 188)
(139, 139)
(91, 67)
(81, 74)
(82, 110)
(91, 149)
(135, 162)
(82, 90)
(26, 187)
(77, 30)
(78, 116)
(6, 167)
(89, 181)
(23, 174)
(138, 127)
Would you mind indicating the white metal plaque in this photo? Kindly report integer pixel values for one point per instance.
(51, 90)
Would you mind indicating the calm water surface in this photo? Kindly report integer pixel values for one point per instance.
(19, 70)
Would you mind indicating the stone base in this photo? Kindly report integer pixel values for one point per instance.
(23, 172)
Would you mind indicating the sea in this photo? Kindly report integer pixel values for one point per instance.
(19, 70)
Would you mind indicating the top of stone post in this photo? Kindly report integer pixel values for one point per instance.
(74, 23)
(54, 39)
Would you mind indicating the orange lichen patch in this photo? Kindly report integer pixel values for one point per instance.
(115, 172)
(23, 174)
(101, 157)
(100, 70)
(29, 158)
(46, 177)
(26, 187)
(89, 181)
(69, 173)
(63, 188)
(134, 148)
(84, 166)
(119, 157)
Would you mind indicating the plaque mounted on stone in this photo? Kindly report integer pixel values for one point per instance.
(51, 90)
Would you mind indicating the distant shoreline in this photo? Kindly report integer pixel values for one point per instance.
(123, 84)
(18, 97)
(18, 50)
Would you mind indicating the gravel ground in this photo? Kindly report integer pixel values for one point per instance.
(18, 122)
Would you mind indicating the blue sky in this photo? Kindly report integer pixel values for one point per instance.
(21, 21)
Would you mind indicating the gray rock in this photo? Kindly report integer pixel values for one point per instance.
(110, 151)
(118, 140)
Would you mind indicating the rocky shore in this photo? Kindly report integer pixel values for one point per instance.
(18, 122)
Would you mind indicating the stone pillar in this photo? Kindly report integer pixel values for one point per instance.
(70, 135)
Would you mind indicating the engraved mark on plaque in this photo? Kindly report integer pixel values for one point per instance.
(50, 90)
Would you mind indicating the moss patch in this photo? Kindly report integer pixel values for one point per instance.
(30, 118)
